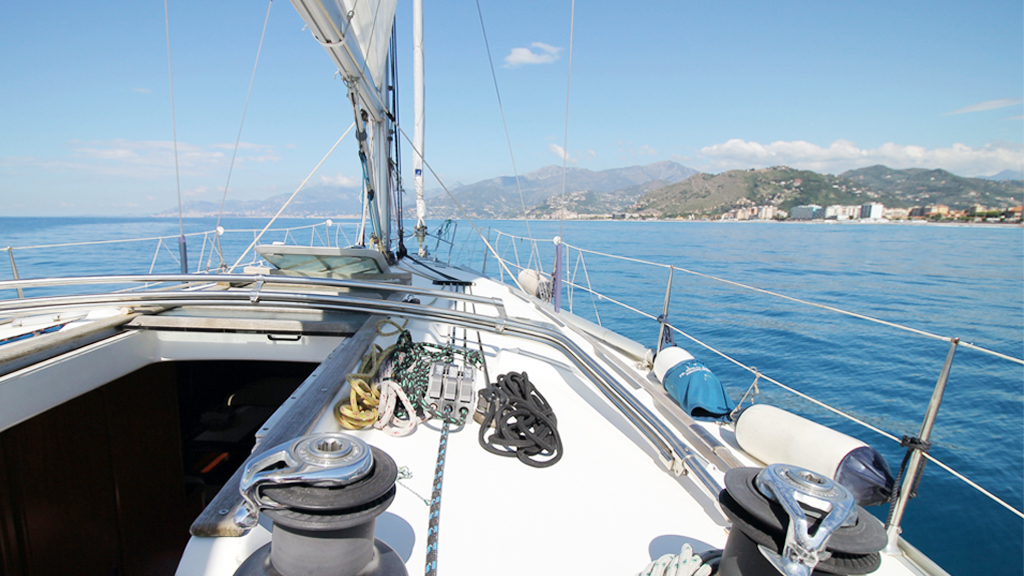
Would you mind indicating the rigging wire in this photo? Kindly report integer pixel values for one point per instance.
(174, 127)
(459, 206)
(238, 138)
(819, 403)
(395, 165)
(565, 143)
(917, 331)
(501, 107)
(290, 198)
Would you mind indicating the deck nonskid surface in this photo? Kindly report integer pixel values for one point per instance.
(609, 506)
(605, 508)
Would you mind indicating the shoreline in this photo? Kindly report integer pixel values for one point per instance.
(630, 220)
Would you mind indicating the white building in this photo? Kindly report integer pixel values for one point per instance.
(838, 212)
(872, 211)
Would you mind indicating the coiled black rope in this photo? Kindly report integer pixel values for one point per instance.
(524, 426)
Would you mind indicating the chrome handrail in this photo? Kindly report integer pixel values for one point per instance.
(917, 455)
(674, 454)
(223, 278)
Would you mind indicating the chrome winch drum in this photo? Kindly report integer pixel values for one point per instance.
(790, 520)
(323, 493)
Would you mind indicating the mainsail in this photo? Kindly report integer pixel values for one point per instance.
(357, 36)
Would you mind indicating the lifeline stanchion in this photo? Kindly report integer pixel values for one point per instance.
(14, 269)
(915, 464)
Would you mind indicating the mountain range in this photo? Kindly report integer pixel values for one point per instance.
(315, 201)
(499, 197)
(662, 189)
(1007, 175)
(785, 187)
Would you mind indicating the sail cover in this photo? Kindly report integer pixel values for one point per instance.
(346, 27)
(371, 23)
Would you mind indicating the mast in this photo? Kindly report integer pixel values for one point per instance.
(357, 37)
(417, 159)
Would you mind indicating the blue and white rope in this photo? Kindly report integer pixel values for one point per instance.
(434, 523)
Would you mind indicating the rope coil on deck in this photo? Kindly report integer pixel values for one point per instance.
(387, 392)
(524, 425)
(411, 369)
(361, 410)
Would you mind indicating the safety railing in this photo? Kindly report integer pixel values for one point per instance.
(572, 268)
(213, 244)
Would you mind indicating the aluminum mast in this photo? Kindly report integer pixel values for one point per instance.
(417, 159)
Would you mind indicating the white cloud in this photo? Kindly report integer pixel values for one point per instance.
(546, 54)
(844, 155)
(567, 158)
(339, 180)
(142, 90)
(153, 158)
(558, 150)
(988, 105)
(646, 150)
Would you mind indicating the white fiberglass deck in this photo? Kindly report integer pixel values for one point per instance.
(608, 507)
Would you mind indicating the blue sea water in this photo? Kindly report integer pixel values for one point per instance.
(962, 281)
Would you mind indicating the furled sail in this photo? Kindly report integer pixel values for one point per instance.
(371, 23)
(357, 37)
(356, 34)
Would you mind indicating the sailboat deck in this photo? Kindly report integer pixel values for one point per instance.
(609, 506)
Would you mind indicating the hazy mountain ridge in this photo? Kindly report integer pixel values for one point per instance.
(315, 201)
(1006, 175)
(586, 202)
(499, 197)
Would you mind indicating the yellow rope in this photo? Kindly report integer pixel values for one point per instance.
(360, 411)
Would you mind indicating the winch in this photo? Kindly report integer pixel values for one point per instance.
(796, 522)
(323, 493)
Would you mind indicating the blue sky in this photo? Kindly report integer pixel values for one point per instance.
(85, 122)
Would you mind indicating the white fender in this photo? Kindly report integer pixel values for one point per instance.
(535, 283)
(667, 358)
(773, 435)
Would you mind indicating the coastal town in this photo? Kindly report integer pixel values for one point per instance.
(876, 211)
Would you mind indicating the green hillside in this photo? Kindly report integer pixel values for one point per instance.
(784, 187)
(919, 186)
